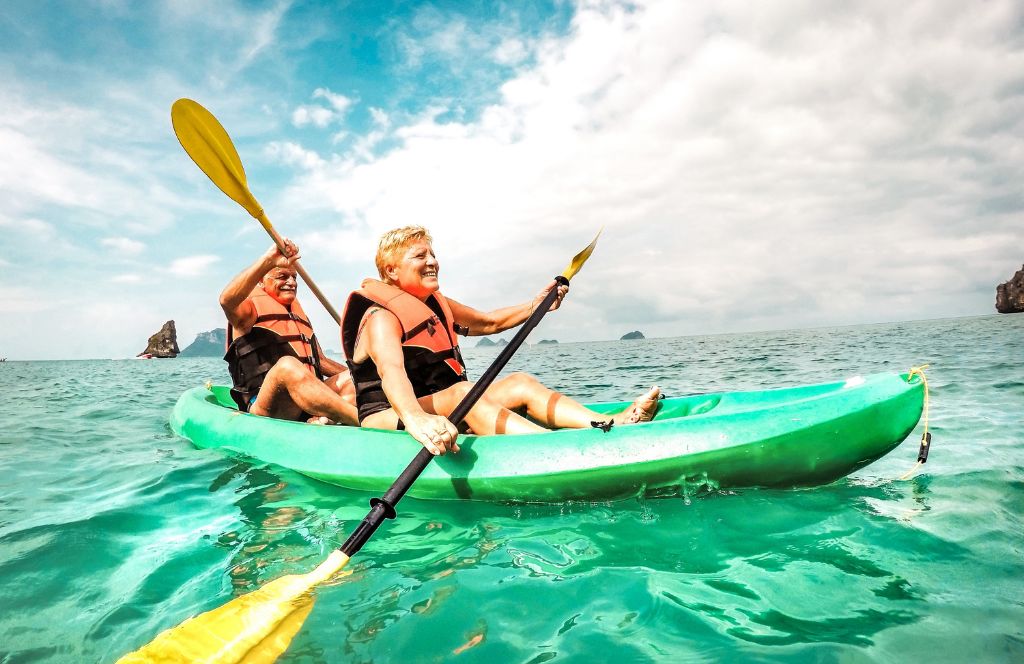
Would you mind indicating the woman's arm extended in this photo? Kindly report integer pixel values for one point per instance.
(481, 323)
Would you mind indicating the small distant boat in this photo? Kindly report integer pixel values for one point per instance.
(145, 356)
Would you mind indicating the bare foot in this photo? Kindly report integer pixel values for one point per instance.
(642, 410)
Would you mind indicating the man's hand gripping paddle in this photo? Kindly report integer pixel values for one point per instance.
(209, 145)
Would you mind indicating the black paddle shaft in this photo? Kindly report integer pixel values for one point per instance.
(384, 507)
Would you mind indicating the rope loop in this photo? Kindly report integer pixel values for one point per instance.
(926, 437)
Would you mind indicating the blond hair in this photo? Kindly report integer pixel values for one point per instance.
(394, 241)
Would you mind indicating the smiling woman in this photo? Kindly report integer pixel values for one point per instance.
(400, 336)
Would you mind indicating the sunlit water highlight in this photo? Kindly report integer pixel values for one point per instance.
(113, 529)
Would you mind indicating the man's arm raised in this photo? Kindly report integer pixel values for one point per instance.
(234, 299)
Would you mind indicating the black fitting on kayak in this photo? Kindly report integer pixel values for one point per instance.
(926, 444)
(603, 426)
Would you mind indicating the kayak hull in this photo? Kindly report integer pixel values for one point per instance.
(788, 437)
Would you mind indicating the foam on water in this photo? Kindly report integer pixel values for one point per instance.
(112, 529)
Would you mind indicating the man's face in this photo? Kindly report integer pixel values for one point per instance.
(280, 284)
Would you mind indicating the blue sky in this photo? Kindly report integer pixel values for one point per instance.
(755, 166)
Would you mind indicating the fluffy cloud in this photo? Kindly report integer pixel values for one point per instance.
(785, 165)
(124, 245)
(320, 116)
(192, 266)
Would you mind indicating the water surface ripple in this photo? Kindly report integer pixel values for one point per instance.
(112, 528)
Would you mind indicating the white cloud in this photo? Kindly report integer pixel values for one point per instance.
(510, 51)
(36, 229)
(126, 279)
(294, 154)
(318, 116)
(747, 164)
(124, 245)
(340, 103)
(380, 117)
(192, 266)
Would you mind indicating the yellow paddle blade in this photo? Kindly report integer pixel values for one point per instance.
(579, 259)
(205, 140)
(256, 627)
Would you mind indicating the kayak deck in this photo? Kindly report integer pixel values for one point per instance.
(788, 437)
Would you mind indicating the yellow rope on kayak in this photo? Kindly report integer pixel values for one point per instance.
(926, 438)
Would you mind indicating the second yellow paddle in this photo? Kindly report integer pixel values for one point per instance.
(209, 145)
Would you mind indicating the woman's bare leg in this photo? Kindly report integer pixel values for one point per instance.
(555, 410)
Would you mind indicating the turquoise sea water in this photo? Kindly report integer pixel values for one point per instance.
(113, 529)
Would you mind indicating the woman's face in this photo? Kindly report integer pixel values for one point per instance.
(416, 270)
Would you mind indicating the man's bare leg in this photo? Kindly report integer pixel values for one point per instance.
(555, 410)
(290, 389)
(486, 418)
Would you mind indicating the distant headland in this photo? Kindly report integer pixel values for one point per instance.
(208, 344)
(486, 342)
(635, 334)
(1010, 295)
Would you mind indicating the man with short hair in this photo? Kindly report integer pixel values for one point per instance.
(274, 358)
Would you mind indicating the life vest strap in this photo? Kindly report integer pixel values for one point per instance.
(296, 337)
(412, 363)
(427, 324)
(268, 317)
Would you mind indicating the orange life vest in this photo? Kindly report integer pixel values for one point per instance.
(278, 331)
(430, 345)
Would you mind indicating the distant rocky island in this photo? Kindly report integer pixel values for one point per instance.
(1010, 295)
(635, 334)
(548, 341)
(162, 344)
(207, 344)
(486, 341)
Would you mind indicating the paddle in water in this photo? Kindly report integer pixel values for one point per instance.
(209, 145)
(259, 626)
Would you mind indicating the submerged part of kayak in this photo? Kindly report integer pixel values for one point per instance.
(799, 436)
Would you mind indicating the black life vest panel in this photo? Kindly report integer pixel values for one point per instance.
(277, 332)
(430, 346)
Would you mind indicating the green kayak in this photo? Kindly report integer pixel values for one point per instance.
(798, 436)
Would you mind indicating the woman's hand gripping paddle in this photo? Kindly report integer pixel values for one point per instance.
(259, 626)
(209, 145)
